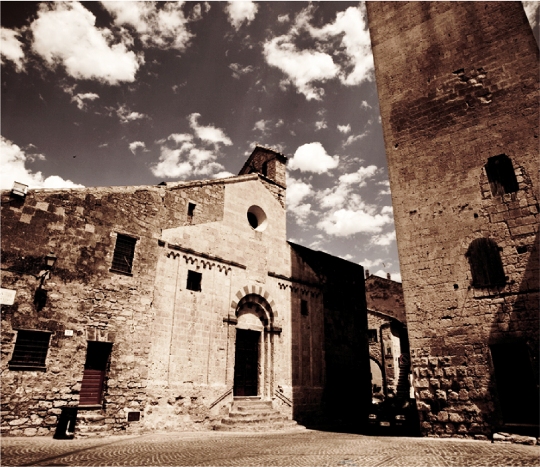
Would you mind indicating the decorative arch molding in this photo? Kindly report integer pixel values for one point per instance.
(257, 295)
(199, 263)
(302, 290)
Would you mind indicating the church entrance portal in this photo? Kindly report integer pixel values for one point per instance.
(246, 363)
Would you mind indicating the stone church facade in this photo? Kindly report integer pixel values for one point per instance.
(166, 302)
(458, 89)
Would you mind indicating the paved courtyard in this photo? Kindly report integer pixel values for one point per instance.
(307, 448)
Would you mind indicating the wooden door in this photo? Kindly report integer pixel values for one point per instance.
(97, 358)
(246, 363)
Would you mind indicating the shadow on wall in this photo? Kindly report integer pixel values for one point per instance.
(346, 382)
(514, 347)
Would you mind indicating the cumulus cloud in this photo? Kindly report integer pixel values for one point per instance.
(135, 145)
(241, 12)
(353, 138)
(65, 34)
(297, 192)
(126, 115)
(81, 98)
(302, 67)
(320, 125)
(345, 222)
(395, 276)
(160, 25)
(13, 161)
(239, 70)
(384, 239)
(312, 157)
(209, 134)
(346, 40)
(184, 155)
(344, 128)
(342, 193)
(365, 105)
(12, 48)
(368, 264)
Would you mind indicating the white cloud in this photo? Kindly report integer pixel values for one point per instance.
(65, 34)
(283, 18)
(12, 48)
(320, 125)
(365, 105)
(239, 70)
(344, 128)
(13, 162)
(532, 10)
(135, 145)
(163, 26)
(261, 125)
(384, 239)
(312, 157)
(182, 157)
(80, 99)
(209, 133)
(126, 115)
(368, 264)
(297, 190)
(305, 68)
(353, 138)
(341, 194)
(302, 67)
(346, 222)
(241, 12)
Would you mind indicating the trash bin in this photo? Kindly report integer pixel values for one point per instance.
(66, 423)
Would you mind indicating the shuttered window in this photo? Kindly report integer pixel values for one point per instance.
(123, 254)
(95, 368)
(486, 264)
(30, 350)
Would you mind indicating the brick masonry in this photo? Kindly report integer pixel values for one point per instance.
(173, 348)
(458, 84)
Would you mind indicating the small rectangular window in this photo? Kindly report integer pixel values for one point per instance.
(501, 175)
(123, 254)
(304, 308)
(372, 335)
(190, 212)
(194, 281)
(30, 350)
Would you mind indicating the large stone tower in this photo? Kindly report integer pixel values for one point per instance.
(458, 91)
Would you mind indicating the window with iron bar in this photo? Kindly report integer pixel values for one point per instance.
(123, 254)
(30, 350)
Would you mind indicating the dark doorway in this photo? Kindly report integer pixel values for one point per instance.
(516, 386)
(97, 358)
(246, 363)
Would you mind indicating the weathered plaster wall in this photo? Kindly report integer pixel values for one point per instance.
(458, 84)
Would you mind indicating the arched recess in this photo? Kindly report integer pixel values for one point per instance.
(377, 378)
(254, 312)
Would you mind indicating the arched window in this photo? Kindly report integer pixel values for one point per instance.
(501, 176)
(485, 262)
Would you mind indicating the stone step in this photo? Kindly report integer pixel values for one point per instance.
(90, 428)
(260, 415)
(289, 425)
(254, 420)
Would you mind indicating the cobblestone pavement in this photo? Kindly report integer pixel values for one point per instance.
(307, 448)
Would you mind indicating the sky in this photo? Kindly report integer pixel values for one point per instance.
(136, 93)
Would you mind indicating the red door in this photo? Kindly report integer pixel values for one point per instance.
(97, 358)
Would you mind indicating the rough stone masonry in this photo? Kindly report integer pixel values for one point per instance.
(458, 91)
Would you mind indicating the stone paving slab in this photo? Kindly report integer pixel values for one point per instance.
(307, 448)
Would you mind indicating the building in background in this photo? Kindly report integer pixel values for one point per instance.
(387, 337)
(458, 91)
(165, 304)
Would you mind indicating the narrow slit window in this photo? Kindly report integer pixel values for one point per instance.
(194, 279)
(486, 264)
(501, 175)
(30, 350)
(304, 310)
(190, 212)
(124, 252)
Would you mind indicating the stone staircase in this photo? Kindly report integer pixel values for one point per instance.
(254, 414)
(91, 424)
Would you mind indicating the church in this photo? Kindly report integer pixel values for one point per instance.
(161, 307)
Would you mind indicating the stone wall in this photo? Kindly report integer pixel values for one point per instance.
(458, 85)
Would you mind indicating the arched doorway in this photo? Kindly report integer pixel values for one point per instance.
(253, 364)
